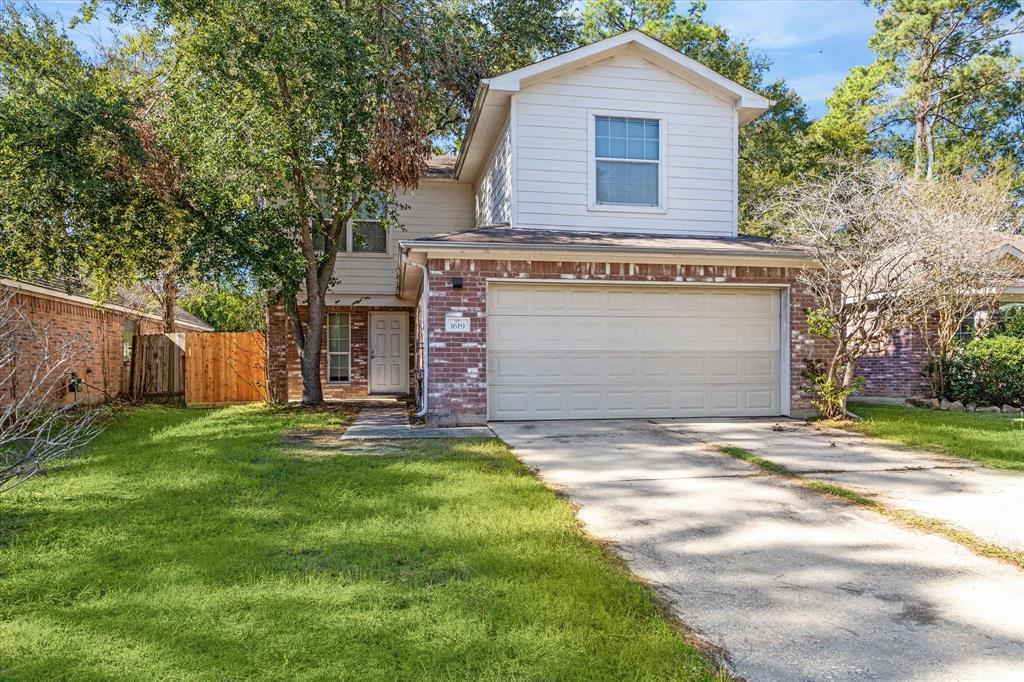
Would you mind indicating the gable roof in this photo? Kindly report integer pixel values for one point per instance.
(493, 95)
(748, 103)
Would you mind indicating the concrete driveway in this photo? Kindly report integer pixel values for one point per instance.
(793, 585)
(986, 502)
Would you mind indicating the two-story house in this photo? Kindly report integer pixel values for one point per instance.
(579, 259)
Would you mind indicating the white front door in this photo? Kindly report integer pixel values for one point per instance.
(389, 353)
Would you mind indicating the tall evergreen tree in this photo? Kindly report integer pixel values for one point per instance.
(944, 93)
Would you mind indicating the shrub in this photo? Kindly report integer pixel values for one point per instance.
(989, 372)
(1011, 323)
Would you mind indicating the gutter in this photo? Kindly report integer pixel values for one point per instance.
(425, 301)
(474, 116)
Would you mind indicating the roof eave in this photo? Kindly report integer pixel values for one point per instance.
(474, 117)
(410, 247)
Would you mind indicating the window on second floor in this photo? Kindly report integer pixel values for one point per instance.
(627, 161)
(364, 234)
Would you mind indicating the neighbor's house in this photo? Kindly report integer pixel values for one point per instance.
(898, 370)
(579, 259)
(101, 334)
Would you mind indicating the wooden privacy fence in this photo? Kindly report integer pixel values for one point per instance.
(225, 367)
(157, 368)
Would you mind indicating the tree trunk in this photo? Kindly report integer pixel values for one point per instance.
(312, 389)
(844, 392)
(930, 149)
(170, 299)
(920, 122)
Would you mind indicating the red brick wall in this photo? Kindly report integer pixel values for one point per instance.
(457, 390)
(97, 335)
(283, 355)
(897, 370)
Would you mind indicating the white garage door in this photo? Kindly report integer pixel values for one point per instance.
(578, 351)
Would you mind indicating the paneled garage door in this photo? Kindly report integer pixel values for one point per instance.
(581, 351)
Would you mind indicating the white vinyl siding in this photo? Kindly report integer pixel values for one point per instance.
(339, 357)
(553, 162)
(493, 191)
(435, 207)
(586, 351)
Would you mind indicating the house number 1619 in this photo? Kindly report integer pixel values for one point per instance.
(457, 324)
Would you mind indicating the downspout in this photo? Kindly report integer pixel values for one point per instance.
(425, 299)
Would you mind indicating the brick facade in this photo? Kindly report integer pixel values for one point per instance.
(897, 371)
(457, 391)
(97, 334)
(283, 355)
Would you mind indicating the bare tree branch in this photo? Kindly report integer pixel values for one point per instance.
(35, 428)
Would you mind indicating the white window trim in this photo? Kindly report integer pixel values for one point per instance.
(592, 205)
(348, 252)
(348, 317)
(386, 253)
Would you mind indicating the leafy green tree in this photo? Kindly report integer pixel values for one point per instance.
(944, 94)
(772, 150)
(483, 39)
(96, 192)
(303, 112)
(230, 305)
(951, 56)
(72, 167)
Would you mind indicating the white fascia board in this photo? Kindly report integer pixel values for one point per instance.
(668, 57)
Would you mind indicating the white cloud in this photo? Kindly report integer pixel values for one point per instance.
(781, 24)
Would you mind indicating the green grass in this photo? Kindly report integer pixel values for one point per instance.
(748, 456)
(995, 440)
(197, 545)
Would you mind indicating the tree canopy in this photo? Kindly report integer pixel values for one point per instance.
(944, 93)
(73, 170)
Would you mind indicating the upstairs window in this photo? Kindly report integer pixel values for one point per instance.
(626, 160)
(368, 233)
(364, 234)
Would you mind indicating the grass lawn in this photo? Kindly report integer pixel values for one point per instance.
(996, 440)
(197, 544)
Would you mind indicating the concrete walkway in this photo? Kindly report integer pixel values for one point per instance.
(794, 585)
(393, 422)
(986, 502)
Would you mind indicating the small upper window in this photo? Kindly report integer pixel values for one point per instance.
(626, 159)
(368, 233)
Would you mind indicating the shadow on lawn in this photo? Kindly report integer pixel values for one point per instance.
(194, 543)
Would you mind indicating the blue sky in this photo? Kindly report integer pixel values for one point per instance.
(813, 43)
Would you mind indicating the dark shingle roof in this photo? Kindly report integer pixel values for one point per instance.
(504, 236)
(440, 166)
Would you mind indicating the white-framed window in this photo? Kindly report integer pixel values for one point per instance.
(339, 355)
(363, 234)
(368, 233)
(627, 169)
